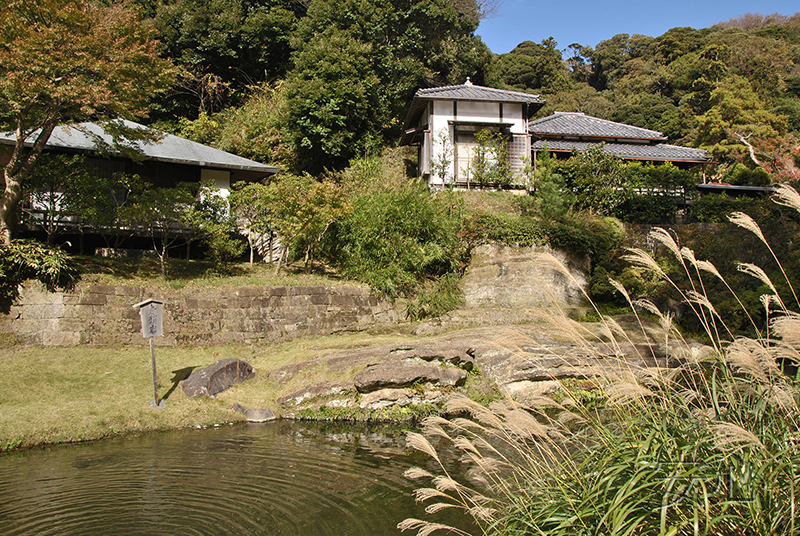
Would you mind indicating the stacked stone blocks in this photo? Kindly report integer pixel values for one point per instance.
(102, 315)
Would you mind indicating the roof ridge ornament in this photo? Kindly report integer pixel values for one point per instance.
(468, 82)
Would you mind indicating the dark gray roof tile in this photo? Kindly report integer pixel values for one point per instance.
(169, 149)
(580, 125)
(472, 92)
(630, 151)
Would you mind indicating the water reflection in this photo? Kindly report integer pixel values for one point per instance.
(274, 479)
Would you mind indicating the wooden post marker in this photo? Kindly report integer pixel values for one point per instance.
(152, 313)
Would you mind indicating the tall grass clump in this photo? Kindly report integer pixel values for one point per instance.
(709, 444)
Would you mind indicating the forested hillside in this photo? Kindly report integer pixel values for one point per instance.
(309, 85)
(724, 88)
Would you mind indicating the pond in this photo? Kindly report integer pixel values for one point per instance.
(285, 477)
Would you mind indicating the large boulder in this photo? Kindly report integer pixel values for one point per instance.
(443, 353)
(214, 379)
(384, 398)
(311, 395)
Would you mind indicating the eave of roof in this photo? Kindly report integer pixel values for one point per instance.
(718, 187)
(661, 152)
(172, 149)
(575, 124)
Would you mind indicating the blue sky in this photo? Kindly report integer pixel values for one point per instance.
(588, 22)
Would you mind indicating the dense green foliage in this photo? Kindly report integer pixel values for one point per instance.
(396, 238)
(344, 72)
(407, 242)
(724, 88)
(223, 47)
(530, 66)
(723, 244)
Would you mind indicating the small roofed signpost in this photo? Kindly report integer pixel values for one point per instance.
(152, 313)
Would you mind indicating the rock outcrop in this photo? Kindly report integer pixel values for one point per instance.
(255, 414)
(405, 366)
(508, 277)
(392, 376)
(523, 361)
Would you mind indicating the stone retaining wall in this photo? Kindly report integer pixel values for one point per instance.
(99, 315)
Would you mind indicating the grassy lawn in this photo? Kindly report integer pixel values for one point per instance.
(56, 395)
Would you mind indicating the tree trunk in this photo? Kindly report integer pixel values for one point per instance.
(750, 148)
(18, 166)
(270, 246)
(280, 261)
(8, 207)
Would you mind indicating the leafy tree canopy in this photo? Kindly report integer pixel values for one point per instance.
(357, 65)
(66, 61)
(530, 66)
(223, 46)
(731, 89)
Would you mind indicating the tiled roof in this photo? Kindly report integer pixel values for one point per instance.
(630, 151)
(469, 91)
(169, 149)
(465, 92)
(580, 125)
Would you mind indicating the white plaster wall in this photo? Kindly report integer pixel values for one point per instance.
(479, 111)
(221, 179)
(512, 113)
(442, 112)
(441, 116)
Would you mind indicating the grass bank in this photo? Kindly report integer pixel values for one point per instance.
(144, 271)
(57, 395)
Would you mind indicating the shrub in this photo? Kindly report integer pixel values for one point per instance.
(435, 298)
(23, 260)
(714, 208)
(741, 175)
(507, 229)
(585, 234)
(393, 240)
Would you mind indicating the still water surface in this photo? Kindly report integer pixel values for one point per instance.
(281, 478)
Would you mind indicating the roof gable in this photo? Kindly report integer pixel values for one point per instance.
(469, 91)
